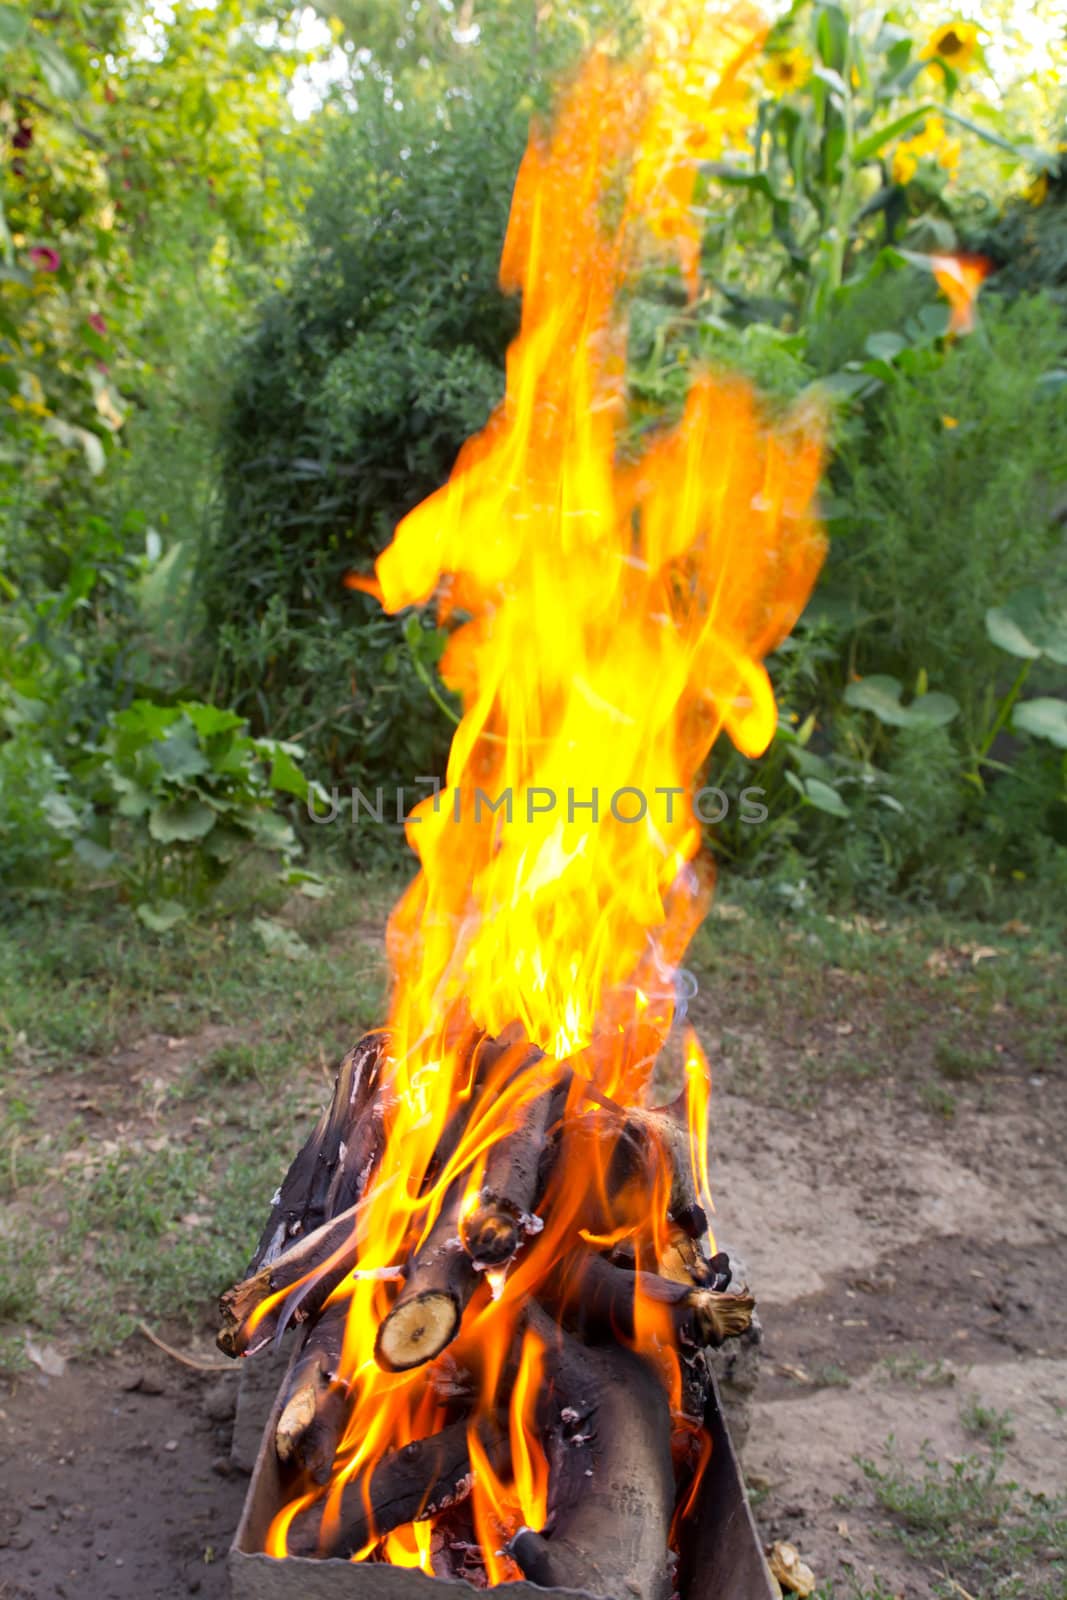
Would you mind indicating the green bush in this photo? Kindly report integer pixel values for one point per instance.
(182, 793)
(952, 500)
(351, 399)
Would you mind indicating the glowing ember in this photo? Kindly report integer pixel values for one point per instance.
(609, 618)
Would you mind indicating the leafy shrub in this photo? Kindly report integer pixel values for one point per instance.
(187, 792)
(351, 400)
(32, 788)
(952, 499)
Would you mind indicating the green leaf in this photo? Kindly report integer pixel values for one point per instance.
(270, 830)
(864, 149)
(60, 815)
(880, 695)
(279, 940)
(1030, 625)
(1044, 718)
(1051, 382)
(180, 821)
(180, 755)
(209, 720)
(884, 346)
(57, 72)
(284, 772)
(162, 915)
(831, 36)
(13, 25)
(93, 855)
(824, 798)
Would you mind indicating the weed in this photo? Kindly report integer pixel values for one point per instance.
(960, 1063)
(231, 1063)
(913, 1368)
(993, 1426)
(936, 1098)
(973, 1527)
(831, 1376)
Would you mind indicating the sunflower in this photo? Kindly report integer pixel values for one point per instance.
(933, 141)
(786, 70)
(954, 43)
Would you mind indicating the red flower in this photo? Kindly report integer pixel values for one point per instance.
(44, 258)
(97, 323)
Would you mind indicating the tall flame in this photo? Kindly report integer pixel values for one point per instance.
(609, 617)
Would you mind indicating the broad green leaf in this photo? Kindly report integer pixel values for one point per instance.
(134, 799)
(309, 884)
(1030, 625)
(146, 719)
(13, 25)
(180, 755)
(1045, 718)
(881, 696)
(824, 798)
(180, 821)
(286, 775)
(57, 72)
(884, 346)
(278, 940)
(162, 915)
(93, 855)
(60, 815)
(270, 830)
(208, 720)
(935, 710)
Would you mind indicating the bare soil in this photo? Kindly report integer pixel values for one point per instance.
(906, 1263)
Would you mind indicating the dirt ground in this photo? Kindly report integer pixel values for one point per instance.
(905, 1266)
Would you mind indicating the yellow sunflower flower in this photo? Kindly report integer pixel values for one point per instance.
(903, 164)
(786, 70)
(1037, 192)
(933, 141)
(954, 43)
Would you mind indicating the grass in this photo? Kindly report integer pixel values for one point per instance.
(940, 1006)
(995, 1427)
(135, 1186)
(918, 1372)
(137, 1190)
(973, 1528)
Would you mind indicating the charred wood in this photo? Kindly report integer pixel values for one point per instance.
(407, 1485)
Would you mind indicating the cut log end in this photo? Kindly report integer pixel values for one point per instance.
(416, 1330)
(295, 1420)
(721, 1316)
(491, 1237)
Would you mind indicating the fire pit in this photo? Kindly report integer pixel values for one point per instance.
(496, 1243)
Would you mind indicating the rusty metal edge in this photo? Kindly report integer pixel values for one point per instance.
(722, 1558)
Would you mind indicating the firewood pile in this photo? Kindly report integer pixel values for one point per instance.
(580, 1227)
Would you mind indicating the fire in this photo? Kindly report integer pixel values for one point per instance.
(960, 278)
(609, 617)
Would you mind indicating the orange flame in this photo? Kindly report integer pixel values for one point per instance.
(960, 278)
(609, 617)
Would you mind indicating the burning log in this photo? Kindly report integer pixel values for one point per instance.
(407, 1485)
(611, 1476)
(315, 1409)
(323, 1258)
(443, 1274)
(598, 1301)
(495, 1228)
(426, 1314)
(311, 1189)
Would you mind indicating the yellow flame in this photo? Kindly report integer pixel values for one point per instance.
(609, 613)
